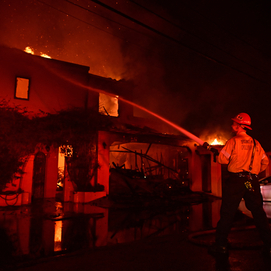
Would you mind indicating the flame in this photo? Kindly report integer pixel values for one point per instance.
(215, 138)
(44, 55)
(30, 50)
(217, 142)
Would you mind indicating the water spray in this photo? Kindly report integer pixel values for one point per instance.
(177, 127)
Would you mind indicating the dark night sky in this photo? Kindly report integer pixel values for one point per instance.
(197, 63)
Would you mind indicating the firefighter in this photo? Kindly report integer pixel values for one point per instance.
(245, 159)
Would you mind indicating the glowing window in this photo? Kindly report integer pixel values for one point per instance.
(22, 88)
(58, 235)
(108, 105)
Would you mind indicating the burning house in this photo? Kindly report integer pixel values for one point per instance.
(130, 155)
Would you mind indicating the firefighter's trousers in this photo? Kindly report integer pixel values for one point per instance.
(233, 192)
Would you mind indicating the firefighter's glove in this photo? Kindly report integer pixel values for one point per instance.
(210, 148)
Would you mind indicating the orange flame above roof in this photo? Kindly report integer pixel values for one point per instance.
(30, 50)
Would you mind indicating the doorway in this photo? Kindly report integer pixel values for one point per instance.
(38, 176)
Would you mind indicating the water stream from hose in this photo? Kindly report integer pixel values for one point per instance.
(177, 127)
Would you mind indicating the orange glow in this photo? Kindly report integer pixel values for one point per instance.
(215, 138)
(58, 235)
(217, 142)
(30, 50)
(44, 55)
(108, 105)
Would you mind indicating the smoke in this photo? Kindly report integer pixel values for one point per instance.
(170, 78)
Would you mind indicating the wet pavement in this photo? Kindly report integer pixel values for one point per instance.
(171, 252)
(174, 235)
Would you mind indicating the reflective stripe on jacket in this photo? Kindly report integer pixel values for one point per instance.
(237, 154)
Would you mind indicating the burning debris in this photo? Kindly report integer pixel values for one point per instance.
(217, 142)
(140, 174)
(220, 137)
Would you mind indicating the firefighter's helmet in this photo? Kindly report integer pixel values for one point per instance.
(243, 119)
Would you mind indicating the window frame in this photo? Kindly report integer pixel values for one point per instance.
(16, 85)
(103, 111)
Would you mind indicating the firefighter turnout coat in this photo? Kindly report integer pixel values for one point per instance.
(237, 153)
